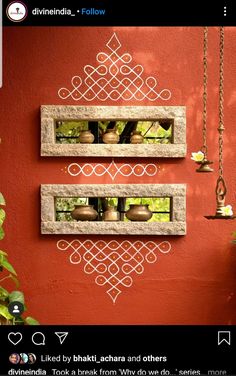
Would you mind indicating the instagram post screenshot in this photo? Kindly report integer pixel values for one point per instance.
(117, 188)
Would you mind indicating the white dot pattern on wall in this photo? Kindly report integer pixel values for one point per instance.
(113, 170)
(113, 261)
(114, 79)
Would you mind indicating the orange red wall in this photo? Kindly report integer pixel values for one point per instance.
(196, 282)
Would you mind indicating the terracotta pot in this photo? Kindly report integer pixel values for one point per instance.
(86, 137)
(136, 137)
(84, 213)
(110, 137)
(139, 212)
(111, 214)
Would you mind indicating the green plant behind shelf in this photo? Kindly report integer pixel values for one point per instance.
(234, 235)
(9, 273)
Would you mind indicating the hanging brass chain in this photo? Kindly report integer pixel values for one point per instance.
(204, 125)
(221, 102)
(221, 186)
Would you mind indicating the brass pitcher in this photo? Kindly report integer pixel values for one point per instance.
(139, 212)
(136, 137)
(84, 213)
(110, 136)
(86, 137)
(111, 214)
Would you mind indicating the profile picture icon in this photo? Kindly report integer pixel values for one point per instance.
(16, 11)
(31, 358)
(14, 358)
(23, 358)
(16, 308)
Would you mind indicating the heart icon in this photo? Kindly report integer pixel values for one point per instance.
(15, 338)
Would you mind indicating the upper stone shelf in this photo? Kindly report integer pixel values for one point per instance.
(113, 131)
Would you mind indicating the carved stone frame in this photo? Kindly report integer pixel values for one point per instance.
(177, 192)
(50, 114)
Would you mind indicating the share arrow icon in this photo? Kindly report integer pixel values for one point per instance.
(62, 336)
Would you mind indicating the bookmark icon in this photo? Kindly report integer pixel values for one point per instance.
(224, 337)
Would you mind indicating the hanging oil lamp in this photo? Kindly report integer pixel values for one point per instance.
(222, 211)
(204, 163)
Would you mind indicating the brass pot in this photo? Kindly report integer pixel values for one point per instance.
(110, 137)
(84, 213)
(86, 137)
(111, 214)
(138, 212)
(136, 137)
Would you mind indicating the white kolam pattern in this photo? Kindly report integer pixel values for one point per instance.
(113, 263)
(113, 169)
(114, 77)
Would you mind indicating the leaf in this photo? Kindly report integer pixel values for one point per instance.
(3, 291)
(5, 313)
(17, 296)
(2, 199)
(14, 279)
(2, 216)
(3, 253)
(2, 233)
(18, 321)
(8, 266)
(31, 321)
(4, 294)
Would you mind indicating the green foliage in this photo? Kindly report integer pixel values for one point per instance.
(9, 273)
(17, 296)
(68, 203)
(68, 128)
(2, 233)
(4, 294)
(67, 132)
(5, 313)
(234, 235)
(2, 216)
(104, 203)
(154, 129)
(161, 205)
(14, 279)
(31, 321)
(64, 206)
(2, 199)
(112, 201)
(5, 264)
(71, 128)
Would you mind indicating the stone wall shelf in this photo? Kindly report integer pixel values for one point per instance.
(50, 114)
(114, 228)
(177, 193)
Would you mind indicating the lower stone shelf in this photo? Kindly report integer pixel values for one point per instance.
(114, 228)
